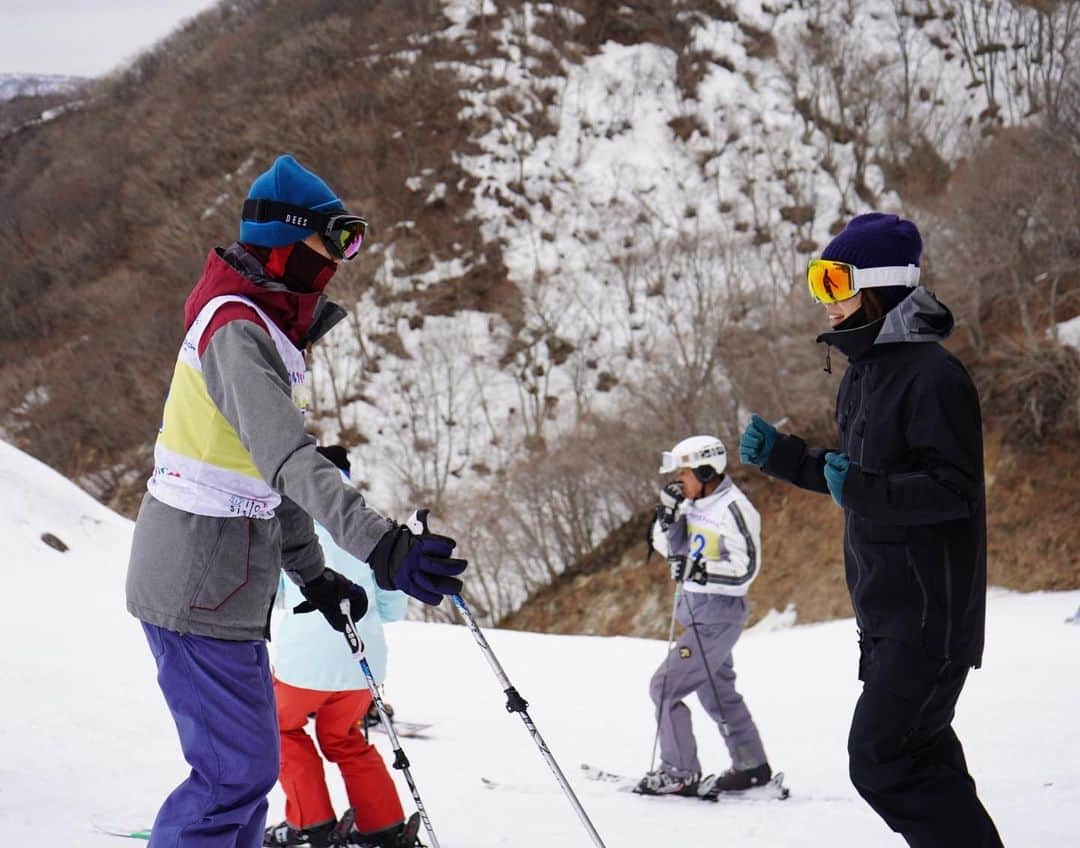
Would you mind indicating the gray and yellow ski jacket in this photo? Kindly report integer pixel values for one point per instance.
(237, 480)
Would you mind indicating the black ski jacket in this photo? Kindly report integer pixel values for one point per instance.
(914, 497)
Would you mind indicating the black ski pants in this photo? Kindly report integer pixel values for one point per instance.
(904, 757)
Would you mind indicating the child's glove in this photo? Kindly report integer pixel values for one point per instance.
(325, 594)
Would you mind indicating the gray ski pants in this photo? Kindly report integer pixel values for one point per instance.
(687, 669)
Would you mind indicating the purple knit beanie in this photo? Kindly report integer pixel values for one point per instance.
(877, 240)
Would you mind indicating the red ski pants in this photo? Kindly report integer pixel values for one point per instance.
(368, 785)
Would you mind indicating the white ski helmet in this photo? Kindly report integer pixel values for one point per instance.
(706, 455)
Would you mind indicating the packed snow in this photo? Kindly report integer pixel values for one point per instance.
(86, 736)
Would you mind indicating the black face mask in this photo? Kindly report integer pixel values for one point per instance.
(307, 270)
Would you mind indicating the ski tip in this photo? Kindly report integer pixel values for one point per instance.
(121, 831)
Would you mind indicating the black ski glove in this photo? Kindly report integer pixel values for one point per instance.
(678, 567)
(696, 573)
(416, 561)
(671, 497)
(325, 594)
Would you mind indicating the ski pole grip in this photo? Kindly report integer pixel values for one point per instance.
(417, 522)
(351, 636)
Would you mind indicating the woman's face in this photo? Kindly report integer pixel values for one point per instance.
(837, 313)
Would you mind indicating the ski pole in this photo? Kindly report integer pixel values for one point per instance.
(517, 704)
(401, 762)
(663, 681)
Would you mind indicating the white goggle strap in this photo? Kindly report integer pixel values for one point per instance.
(892, 275)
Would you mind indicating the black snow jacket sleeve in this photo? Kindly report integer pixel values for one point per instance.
(940, 421)
(791, 459)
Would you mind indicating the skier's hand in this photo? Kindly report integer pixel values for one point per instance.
(757, 441)
(671, 498)
(837, 466)
(656, 537)
(677, 564)
(325, 594)
(696, 572)
(418, 562)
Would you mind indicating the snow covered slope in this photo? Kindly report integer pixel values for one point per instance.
(30, 85)
(85, 734)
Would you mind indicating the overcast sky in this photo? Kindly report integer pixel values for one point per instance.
(84, 37)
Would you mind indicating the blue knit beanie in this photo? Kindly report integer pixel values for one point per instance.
(877, 240)
(286, 181)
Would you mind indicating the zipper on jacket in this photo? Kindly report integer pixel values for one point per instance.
(922, 589)
(860, 418)
(852, 379)
(948, 599)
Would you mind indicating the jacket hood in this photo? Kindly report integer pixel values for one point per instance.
(303, 317)
(919, 317)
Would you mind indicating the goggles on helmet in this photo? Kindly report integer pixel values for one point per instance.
(671, 461)
(832, 282)
(341, 233)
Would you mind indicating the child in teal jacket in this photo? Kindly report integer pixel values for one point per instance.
(315, 674)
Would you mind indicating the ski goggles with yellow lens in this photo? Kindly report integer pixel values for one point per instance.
(832, 282)
(341, 233)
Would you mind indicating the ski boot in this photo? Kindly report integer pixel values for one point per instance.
(373, 716)
(659, 782)
(734, 780)
(402, 835)
(284, 835)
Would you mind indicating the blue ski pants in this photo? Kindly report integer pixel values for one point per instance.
(221, 696)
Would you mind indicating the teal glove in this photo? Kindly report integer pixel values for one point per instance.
(757, 441)
(836, 469)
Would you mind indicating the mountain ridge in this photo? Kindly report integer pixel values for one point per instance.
(588, 224)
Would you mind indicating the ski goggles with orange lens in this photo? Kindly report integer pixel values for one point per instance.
(832, 282)
(341, 233)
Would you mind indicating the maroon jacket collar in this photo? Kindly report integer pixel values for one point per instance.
(303, 317)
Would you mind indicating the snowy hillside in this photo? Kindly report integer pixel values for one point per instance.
(29, 85)
(85, 734)
(589, 221)
(620, 194)
(634, 191)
